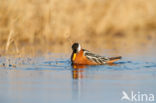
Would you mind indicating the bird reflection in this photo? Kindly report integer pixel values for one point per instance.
(78, 70)
(78, 74)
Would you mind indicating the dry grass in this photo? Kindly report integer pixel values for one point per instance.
(30, 26)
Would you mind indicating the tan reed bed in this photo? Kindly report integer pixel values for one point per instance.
(41, 26)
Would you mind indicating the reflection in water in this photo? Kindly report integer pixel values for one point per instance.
(77, 75)
(78, 70)
(78, 87)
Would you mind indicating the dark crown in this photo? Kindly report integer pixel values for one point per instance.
(75, 46)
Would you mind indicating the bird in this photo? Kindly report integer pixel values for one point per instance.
(85, 57)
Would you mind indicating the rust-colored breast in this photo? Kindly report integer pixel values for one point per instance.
(81, 59)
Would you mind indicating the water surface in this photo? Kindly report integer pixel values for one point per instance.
(51, 79)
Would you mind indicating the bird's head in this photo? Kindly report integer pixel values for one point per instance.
(76, 47)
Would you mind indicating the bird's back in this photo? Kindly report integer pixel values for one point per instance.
(100, 59)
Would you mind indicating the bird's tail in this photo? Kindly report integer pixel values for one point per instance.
(113, 59)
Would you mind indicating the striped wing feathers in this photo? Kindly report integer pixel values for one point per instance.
(95, 58)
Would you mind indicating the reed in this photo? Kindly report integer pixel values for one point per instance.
(30, 26)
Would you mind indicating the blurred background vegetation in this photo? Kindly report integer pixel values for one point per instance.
(30, 26)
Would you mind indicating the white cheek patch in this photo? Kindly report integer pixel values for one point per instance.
(79, 48)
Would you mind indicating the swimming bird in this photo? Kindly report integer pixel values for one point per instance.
(85, 57)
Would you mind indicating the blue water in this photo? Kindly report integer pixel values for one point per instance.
(51, 79)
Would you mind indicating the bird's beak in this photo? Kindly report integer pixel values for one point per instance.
(74, 56)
